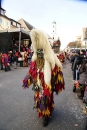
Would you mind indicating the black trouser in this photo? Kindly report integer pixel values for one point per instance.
(21, 63)
(1, 66)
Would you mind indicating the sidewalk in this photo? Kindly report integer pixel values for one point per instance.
(68, 71)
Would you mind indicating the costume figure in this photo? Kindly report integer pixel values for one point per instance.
(5, 61)
(45, 73)
(61, 57)
(25, 62)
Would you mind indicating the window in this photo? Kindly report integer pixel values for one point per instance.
(2, 12)
(6, 24)
(14, 23)
(18, 25)
(0, 21)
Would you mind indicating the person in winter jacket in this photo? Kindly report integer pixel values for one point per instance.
(83, 78)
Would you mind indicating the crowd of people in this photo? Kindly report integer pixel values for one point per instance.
(12, 58)
(78, 61)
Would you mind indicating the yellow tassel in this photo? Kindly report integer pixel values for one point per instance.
(52, 105)
(38, 110)
(43, 112)
(29, 83)
(57, 80)
(60, 91)
(47, 112)
(50, 86)
(58, 77)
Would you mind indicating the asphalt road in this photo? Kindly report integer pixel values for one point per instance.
(16, 104)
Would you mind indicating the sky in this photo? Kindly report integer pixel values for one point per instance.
(70, 16)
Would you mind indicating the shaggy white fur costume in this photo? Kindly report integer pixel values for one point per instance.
(40, 41)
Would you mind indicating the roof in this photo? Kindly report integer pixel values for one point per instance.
(9, 18)
(2, 9)
(14, 21)
(29, 26)
(70, 43)
(24, 34)
(5, 17)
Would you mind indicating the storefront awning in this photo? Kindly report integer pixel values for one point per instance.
(24, 33)
(17, 34)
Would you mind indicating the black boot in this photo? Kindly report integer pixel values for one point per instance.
(74, 88)
(6, 69)
(82, 95)
(45, 121)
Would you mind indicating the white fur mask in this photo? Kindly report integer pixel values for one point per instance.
(40, 41)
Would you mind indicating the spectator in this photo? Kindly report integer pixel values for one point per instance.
(5, 61)
(1, 65)
(15, 60)
(83, 78)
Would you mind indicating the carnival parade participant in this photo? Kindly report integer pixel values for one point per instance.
(61, 57)
(5, 61)
(45, 73)
(25, 62)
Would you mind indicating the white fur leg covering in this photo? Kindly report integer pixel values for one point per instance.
(47, 72)
(34, 57)
(48, 55)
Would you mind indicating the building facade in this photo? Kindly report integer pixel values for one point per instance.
(6, 22)
(11, 33)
